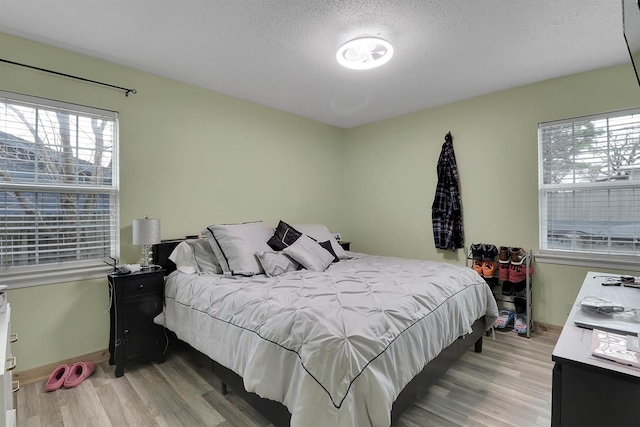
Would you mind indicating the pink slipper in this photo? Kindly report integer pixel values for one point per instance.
(57, 378)
(79, 372)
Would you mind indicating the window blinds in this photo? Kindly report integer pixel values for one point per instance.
(58, 183)
(589, 184)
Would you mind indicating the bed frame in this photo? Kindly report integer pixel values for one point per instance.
(278, 414)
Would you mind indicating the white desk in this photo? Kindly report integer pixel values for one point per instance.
(589, 391)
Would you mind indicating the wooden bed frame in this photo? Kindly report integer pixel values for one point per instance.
(278, 414)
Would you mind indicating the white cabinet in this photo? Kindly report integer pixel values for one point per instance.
(8, 385)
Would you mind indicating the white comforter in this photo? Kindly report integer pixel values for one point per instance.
(336, 348)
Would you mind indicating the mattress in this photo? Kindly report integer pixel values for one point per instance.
(335, 347)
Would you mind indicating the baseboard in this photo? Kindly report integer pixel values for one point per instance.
(540, 326)
(40, 373)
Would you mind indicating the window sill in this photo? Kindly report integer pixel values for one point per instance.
(589, 260)
(54, 274)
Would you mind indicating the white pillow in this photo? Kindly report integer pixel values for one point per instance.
(238, 244)
(215, 247)
(309, 253)
(276, 263)
(321, 233)
(204, 256)
(184, 259)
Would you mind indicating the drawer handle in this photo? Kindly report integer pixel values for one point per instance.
(10, 363)
(140, 286)
(13, 337)
(15, 386)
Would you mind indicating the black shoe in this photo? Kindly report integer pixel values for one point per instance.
(521, 305)
(492, 282)
(507, 288)
(489, 253)
(477, 250)
(520, 288)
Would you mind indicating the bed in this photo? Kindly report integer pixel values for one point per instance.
(352, 345)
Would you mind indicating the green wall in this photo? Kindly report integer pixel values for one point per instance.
(390, 171)
(193, 157)
(190, 157)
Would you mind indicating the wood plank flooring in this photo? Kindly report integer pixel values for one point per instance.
(508, 384)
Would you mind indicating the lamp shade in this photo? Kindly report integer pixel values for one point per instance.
(146, 231)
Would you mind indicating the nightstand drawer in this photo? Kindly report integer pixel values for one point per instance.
(139, 286)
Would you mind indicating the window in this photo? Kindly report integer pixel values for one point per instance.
(58, 191)
(589, 186)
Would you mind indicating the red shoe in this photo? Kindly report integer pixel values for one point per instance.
(477, 266)
(517, 273)
(503, 271)
(79, 372)
(57, 378)
(489, 269)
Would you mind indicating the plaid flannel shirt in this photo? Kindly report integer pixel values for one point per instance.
(446, 211)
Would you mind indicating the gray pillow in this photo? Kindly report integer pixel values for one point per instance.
(321, 233)
(205, 258)
(276, 263)
(238, 245)
(309, 253)
(222, 261)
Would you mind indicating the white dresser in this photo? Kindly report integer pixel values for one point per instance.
(8, 385)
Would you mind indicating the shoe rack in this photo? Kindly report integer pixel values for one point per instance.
(503, 292)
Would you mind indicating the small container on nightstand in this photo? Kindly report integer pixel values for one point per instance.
(345, 245)
(136, 298)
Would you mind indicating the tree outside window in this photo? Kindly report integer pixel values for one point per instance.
(590, 184)
(58, 191)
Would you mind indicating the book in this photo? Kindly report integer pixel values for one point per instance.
(613, 347)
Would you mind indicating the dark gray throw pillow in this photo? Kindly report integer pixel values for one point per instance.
(327, 245)
(283, 236)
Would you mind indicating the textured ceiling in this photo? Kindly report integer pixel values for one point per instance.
(281, 53)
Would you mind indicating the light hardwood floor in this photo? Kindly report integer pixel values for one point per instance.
(508, 384)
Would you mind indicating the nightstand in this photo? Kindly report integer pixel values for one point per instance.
(345, 245)
(136, 298)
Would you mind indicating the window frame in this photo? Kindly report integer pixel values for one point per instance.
(584, 258)
(75, 270)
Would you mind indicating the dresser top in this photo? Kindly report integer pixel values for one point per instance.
(574, 344)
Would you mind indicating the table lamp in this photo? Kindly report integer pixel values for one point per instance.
(146, 232)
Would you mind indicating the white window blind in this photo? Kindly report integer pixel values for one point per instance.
(589, 185)
(58, 190)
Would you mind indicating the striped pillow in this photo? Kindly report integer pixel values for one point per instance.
(276, 263)
(309, 253)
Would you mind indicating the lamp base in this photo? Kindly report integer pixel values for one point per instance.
(147, 257)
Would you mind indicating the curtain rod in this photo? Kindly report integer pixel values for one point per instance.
(126, 91)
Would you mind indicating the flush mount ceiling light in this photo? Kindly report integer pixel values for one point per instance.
(364, 53)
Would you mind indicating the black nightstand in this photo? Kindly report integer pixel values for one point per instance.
(345, 245)
(136, 298)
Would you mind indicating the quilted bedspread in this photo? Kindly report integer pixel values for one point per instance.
(336, 347)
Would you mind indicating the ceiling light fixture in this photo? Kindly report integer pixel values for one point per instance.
(363, 53)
